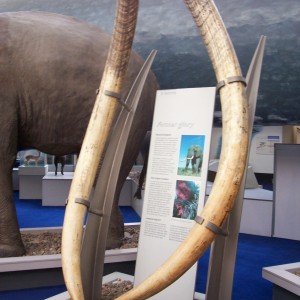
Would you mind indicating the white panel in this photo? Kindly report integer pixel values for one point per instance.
(30, 181)
(174, 192)
(287, 191)
(56, 188)
(257, 217)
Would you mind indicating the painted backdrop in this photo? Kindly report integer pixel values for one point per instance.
(182, 60)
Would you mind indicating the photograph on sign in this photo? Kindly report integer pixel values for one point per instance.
(191, 155)
(186, 199)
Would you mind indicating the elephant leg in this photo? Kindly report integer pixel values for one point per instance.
(116, 227)
(10, 238)
(138, 193)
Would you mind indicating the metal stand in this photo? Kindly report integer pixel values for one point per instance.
(223, 251)
(94, 241)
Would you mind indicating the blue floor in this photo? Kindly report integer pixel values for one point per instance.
(32, 214)
(254, 253)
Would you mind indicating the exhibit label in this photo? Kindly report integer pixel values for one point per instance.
(176, 180)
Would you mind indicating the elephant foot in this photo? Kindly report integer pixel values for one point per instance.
(115, 234)
(114, 243)
(11, 251)
(115, 237)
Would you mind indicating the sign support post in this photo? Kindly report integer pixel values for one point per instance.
(223, 253)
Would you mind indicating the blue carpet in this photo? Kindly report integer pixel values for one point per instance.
(254, 253)
(32, 214)
(33, 294)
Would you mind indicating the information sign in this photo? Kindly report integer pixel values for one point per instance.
(176, 180)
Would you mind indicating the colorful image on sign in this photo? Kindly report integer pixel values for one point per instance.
(186, 199)
(191, 155)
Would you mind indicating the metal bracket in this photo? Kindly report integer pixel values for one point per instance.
(83, 202)
(231, 79)
(97, 212)
(117, 97)
(211, 226)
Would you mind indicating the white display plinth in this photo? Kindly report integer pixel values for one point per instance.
(56, 188)
(285, 277)
(257, 217)
(257, 214)
(30, 181)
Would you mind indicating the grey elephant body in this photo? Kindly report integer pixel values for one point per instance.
(194, 157)
(51, 67)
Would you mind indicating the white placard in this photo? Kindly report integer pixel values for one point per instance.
(176, 180)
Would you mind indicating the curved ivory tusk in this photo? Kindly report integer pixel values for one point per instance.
(94, 143)
(233, 156)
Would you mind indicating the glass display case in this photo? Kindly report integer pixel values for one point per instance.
(31, 158)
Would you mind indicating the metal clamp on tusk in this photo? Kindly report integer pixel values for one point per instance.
(96, 212)
(211, 226)
(118, 98)
(83, 202)
(231, 79)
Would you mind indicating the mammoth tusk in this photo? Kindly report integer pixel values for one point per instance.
(94, 143)
(233, 156)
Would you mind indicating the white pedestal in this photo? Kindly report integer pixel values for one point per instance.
(257, 217)
(257, 214)
(284, 276)
(30, 181)
(56, 188)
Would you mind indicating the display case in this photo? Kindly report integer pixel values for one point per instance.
(31, 158)
(31, 171)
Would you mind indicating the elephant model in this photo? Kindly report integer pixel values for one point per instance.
(195, 157)
(51, 68)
